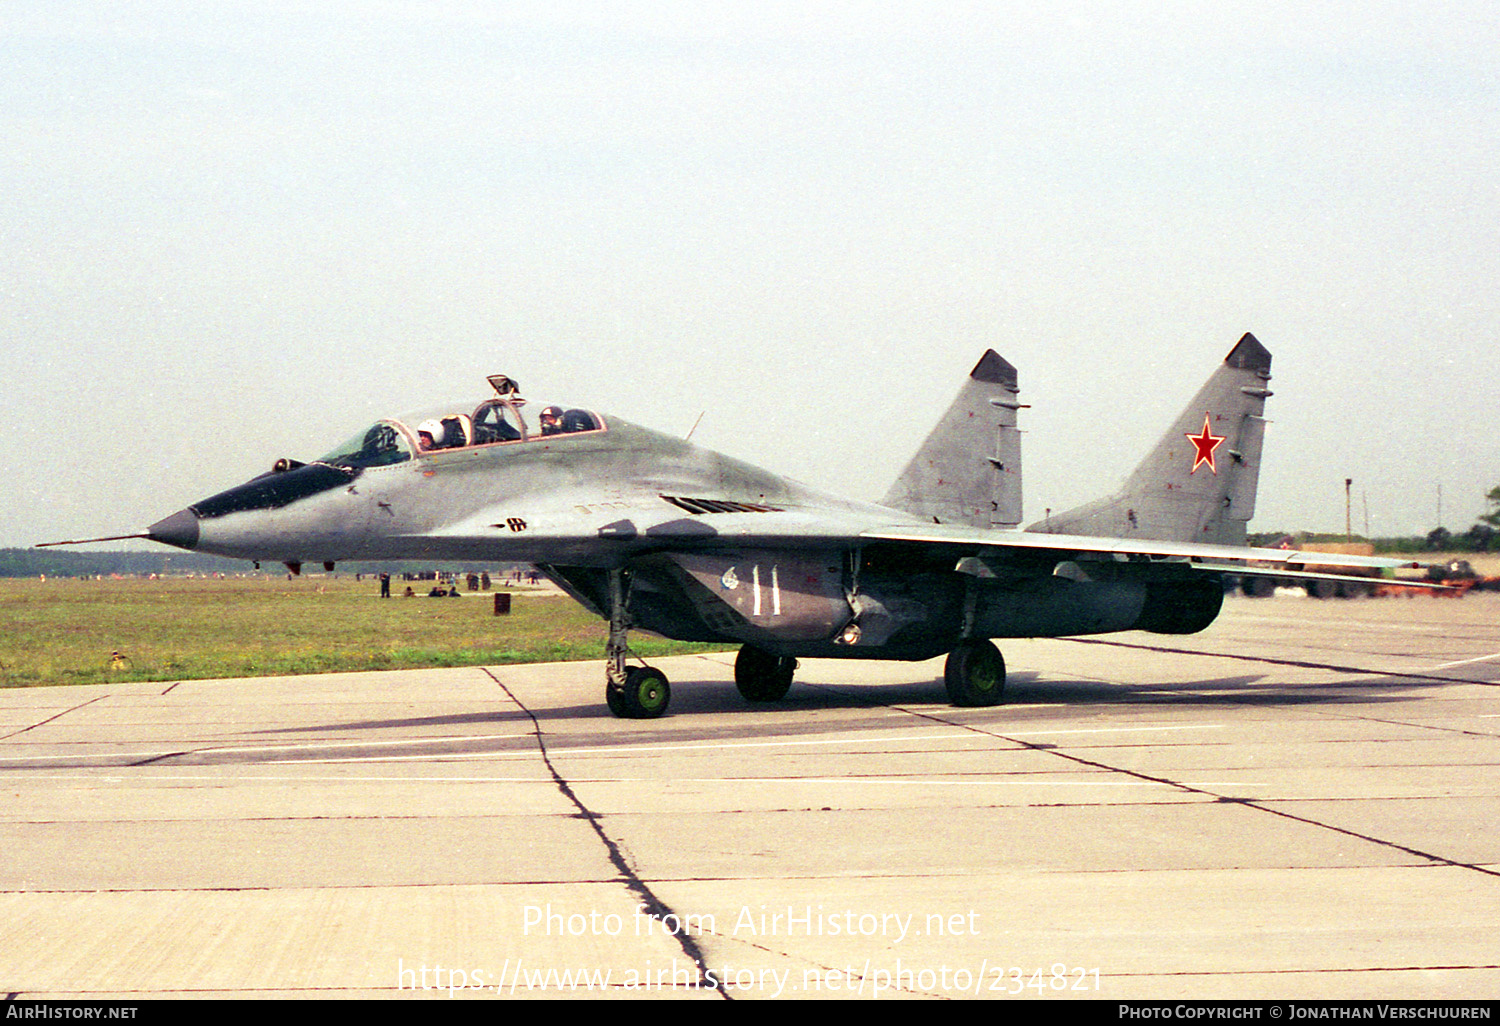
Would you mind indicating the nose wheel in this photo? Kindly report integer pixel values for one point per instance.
(642, 695)
(631, 692)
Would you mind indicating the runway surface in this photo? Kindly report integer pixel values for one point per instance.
(1300, 802)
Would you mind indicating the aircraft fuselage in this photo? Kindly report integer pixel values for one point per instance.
(714, 549)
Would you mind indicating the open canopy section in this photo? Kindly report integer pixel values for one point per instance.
(507, 418)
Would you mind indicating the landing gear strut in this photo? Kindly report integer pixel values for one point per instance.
(631, 692)
(761, 676)
(975, 674)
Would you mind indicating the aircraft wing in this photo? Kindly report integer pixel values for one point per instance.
(643, 527)
(1291, 559)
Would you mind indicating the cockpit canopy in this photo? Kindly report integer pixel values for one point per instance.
(503, 420)
(378, 446)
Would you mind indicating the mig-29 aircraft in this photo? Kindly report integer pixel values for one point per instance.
(650, 531)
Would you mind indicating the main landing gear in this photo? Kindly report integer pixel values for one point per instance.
(631, 692)
(761, 676)
(975, 674)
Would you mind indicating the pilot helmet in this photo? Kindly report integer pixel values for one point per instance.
(551, 417)
(433, 429)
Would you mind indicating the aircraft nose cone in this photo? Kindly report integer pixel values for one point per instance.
(179, 529)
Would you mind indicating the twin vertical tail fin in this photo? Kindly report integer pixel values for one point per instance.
(1198, 483)
(968, 471)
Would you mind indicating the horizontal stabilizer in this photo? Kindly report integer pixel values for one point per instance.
(1282, 573)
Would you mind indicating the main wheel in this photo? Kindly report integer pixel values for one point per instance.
(1257, 587)
(644, 697)
(761, 676)
(975, 674)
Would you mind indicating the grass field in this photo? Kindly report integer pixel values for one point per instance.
(64, 631)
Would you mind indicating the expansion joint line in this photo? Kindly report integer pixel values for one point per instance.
(1249, 803)
(1297, 663)
(654, 906)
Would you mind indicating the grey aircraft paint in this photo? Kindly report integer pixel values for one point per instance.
(652, 532)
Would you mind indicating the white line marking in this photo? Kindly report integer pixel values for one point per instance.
(713, 746)
(655, 781)
(1466, 662)
(221, 748)
(316, 745)
(557, 750)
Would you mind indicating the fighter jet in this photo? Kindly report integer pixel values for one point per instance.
(651, 532)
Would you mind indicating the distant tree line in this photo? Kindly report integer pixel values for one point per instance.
(1484, 536)
(65, 563)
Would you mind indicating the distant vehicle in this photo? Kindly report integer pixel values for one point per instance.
(1453, 570)
(651, 532)
(1322, 579)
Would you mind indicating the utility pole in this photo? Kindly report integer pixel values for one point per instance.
(1348, 525)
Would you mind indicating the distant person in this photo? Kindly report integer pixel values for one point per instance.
(385, 585)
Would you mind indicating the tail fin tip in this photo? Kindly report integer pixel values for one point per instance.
(1249, 354)
(994, 369)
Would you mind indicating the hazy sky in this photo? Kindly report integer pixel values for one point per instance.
(236, 231)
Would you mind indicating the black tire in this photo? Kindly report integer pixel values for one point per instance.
(645, 695)
(615, 698)
(975, 674)
(761, 676)
(1257, 587)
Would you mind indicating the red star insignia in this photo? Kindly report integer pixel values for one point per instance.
(1205, 444)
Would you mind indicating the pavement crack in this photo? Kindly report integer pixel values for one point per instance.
(1273, 661)
(54, 716)
(652, 905)
(1248, 803)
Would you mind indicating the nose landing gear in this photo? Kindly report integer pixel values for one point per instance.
(642, 695)
(631, 692)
